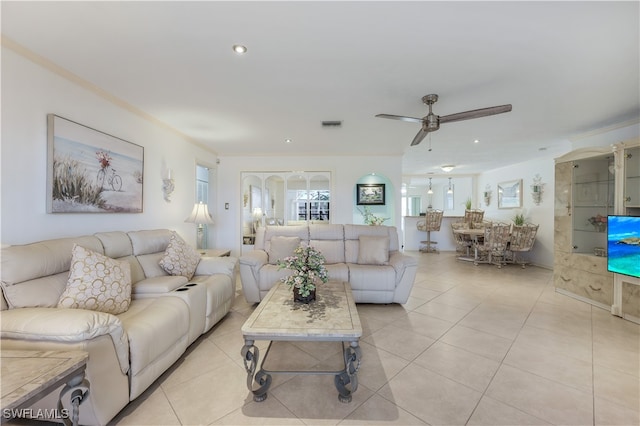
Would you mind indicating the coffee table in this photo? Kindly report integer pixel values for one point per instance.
(332, 317)
(28, 376)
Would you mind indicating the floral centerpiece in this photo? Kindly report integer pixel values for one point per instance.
(308, 265)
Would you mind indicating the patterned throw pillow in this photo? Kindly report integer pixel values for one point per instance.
(180, 258)
(97, 283)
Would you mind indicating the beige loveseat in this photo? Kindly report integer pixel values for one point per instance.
(384, 275)
(128, 351)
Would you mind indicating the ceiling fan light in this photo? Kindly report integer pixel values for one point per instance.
(447, 168)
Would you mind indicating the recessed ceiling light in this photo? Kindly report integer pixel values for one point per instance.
(476, 141)
(239, 49)
(287, 140)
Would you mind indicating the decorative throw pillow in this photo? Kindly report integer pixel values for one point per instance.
(179, 258)
(97, 283)
(373, 250)
(282, 247)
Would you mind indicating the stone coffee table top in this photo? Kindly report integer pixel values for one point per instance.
(332, 316)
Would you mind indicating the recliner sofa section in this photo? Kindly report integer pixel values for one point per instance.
(128, 351)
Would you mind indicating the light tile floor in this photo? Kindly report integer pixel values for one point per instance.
(474, 345)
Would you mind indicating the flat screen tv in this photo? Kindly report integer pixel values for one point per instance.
(623, 245)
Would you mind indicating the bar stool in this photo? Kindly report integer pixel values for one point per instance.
(431, 222)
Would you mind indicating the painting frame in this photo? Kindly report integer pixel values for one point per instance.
(89, 171)
(510, 194)
(370, 194)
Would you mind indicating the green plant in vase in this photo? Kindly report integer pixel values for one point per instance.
(518, 219)
(468, 204)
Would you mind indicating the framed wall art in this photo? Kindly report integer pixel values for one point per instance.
(89, 171)
(510, 194)
(369, 194)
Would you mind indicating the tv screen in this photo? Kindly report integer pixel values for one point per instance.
(623, 245)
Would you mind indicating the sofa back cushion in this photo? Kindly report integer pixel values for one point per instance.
(149, 241)
(352, 234)
(34, 275)
(116, 244)
(329, 239)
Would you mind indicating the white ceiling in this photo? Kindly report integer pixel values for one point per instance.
(566, 67)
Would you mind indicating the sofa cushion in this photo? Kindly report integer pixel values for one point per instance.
(180, 258)
(373, 250)
(97, 283)
(282, 247)
(40, 292)
(35, 274)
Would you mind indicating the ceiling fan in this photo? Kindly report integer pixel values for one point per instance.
(431, 122)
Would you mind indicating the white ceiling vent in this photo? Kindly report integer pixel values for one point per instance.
(332, 123)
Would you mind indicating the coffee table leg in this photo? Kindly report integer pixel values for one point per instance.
(251, 356)
(347, 381)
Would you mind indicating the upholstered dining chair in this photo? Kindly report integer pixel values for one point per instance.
(432, 222)
(522, 239)
(493, 248)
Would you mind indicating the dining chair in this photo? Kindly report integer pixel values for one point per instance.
(431, 222)
(473, 216)
(522, 239)
(463, 244)
(493, 248)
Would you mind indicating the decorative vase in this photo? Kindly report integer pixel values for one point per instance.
(297, 297)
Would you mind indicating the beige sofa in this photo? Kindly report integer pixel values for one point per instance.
(372, 281)
(128, 351)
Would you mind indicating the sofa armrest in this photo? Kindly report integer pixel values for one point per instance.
(401, 261)
(406, 268)
(65, 325)
(250, 265)
(217, 265)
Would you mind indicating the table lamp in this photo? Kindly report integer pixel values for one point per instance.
(200, 216)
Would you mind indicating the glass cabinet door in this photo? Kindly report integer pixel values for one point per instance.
(632, 181)
(593, 199)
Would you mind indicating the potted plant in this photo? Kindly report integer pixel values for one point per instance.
(370, 218)
(308, 265)
(518, 219)
(467, 204)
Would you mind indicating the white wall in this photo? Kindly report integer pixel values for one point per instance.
(345, 173)
(542, 253)
(30, 92)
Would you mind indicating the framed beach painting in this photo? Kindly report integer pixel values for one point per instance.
(89, 171)
(510, 194)
(370, 194)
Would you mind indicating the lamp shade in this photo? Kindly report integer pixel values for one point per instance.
(200, 215)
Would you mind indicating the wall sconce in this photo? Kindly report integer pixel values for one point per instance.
(487, 195)
(168, 185)
(537, 188)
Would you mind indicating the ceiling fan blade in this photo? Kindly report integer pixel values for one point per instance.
(476, 113)
(400, 117)
(421, 134)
